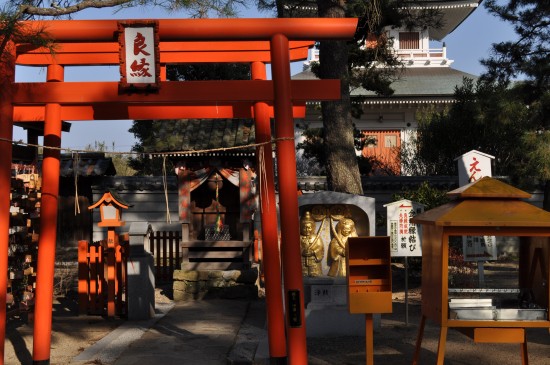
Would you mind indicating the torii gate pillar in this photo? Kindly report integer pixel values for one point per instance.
(48, 227)
(288, 199)
(7, 77)
(270, 242)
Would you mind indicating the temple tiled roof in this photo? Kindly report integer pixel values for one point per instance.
(417, 82)
(383, 183)
(88, 164)
(454, 12)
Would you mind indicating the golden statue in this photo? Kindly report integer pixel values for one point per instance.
(311, 246)
(345, 228)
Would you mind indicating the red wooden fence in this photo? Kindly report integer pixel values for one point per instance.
(165, 247)
(92, 276)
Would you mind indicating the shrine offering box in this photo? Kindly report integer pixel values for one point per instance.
(369, 275)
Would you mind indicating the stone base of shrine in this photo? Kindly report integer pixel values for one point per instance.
(205, 284)
(326, 309)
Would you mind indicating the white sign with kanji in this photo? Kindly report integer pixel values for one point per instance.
(472, 166)
(405, 237)
(140, 55)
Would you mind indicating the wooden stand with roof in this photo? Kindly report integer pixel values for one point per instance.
(485, 207)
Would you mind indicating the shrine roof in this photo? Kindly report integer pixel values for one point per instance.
(454, 12)
(206, 137)
(488, 188)
(433, 82)
(487, 202)
(89, 164)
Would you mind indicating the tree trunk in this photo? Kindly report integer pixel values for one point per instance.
(342, 169)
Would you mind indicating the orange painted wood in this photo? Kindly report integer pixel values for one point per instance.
(205, 29)
(288, 197)
(188, 92)
(105, 111)
(94, 283)
(369, 275)
(174, 46)
(486, 207)
(419, 337)
(499, 335)
(83, 277)
(7, 76)
(370, 302)
(498, 324)
(524, 354)
(111, 276)
(48, 226)
(369, 339)
(441, 345)
(269, 251)
(104, 59)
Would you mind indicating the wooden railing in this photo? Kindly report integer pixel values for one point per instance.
(165, 247)
(93, 286)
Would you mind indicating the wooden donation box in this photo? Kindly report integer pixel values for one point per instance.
(496, 314)
(368, 268)
(369, 275)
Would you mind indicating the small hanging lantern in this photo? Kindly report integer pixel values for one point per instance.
(110, 206)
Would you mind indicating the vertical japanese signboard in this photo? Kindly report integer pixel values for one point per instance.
(405, 237)
(139, 55)
(472, 166)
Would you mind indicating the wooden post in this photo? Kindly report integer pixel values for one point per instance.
(288, 199)
(48, 227)
(369, 339)
(419, 337)
(83, 277)
(7, 77)
(270, 237)
(111, 278)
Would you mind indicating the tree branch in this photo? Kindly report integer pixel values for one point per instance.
(58, 11)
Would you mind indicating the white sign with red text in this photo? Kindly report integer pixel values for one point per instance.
(140, 55)
(405, 237)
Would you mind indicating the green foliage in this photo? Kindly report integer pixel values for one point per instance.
(527, 56)
(529, 53)
(12, 28)
(424, 194)
(120, 161)
(163, 135)
(312, 145)
(208, 71)
(485, 117)
(143, 163)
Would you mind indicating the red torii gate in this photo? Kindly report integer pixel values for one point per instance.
(256, 41)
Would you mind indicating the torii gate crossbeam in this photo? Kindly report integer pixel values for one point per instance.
(281, 93)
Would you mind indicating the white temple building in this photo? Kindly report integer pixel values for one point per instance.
(428, 80)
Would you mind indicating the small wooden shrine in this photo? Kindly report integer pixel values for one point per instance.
(216, 192)
(487, 207)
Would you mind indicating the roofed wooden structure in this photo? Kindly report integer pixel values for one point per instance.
(487, 207)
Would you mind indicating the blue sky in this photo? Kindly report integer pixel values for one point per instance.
(469, 43)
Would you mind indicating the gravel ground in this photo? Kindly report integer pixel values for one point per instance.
(394, 342)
